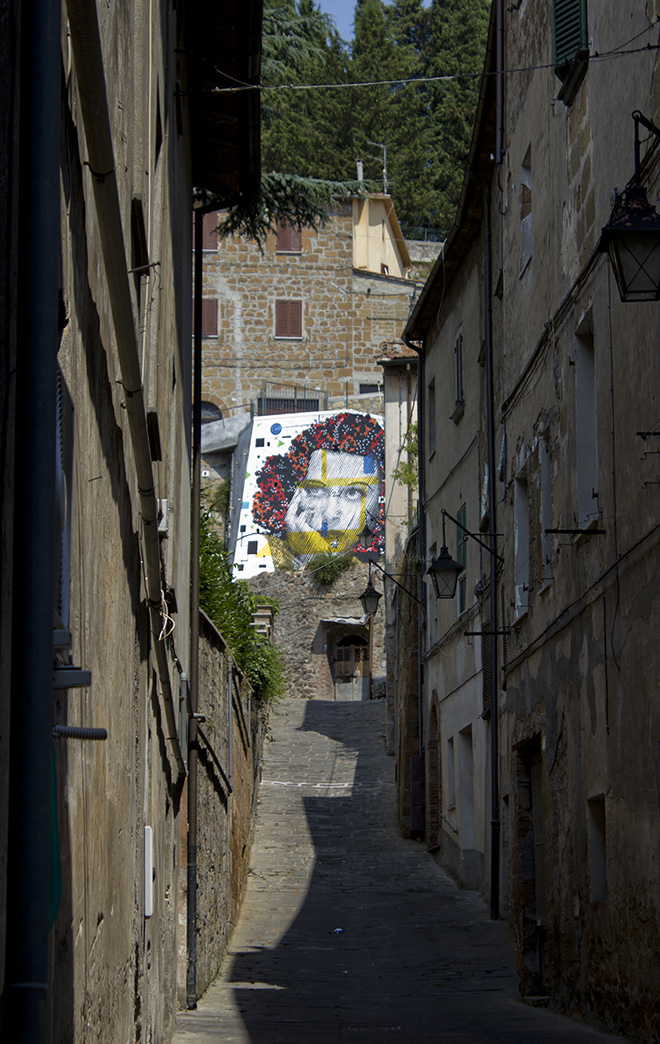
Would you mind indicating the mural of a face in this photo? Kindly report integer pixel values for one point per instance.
(325, 493)
(333, 503)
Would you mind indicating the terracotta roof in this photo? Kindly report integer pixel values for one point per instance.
(390, 351)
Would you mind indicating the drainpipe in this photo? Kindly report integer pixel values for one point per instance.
(191, 919)
(25, 1000)
(494, 720)
(88, 58)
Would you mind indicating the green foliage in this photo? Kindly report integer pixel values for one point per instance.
(326, 568)
(230, 604)
(425, 126)
(312, 138)
(407, 470)
(303, 202)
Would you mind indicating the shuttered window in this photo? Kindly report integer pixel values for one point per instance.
(209, 316)
(569, 23)
(288, 318)
(289, 238)
(210, 234)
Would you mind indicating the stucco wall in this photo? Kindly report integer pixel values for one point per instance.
(113, 969)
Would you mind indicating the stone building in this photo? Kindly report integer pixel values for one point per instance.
(297, 327)
(539, 408)
(106, 128)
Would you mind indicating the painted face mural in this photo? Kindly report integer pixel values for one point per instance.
(325, 495)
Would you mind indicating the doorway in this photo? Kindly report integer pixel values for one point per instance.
(351, 668)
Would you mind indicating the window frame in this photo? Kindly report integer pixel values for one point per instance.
(288, 319)
(289, 238)
(570, 45)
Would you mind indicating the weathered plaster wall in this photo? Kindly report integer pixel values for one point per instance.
(113, 970)
(405, 680)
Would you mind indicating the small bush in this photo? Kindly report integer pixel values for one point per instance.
(230, 604)
(326, 568)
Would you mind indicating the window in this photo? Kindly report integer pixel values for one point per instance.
(288, 319)
(596, 839)
(369, 389)
(431, 418)
(270, 406)
(209, 316)
(432, 605)
(458, 370)
(451, 774)
(521, 546)
(570, 44)
(585, 406)
(546, 511)
(210, 231)
(461, 558)
(526, 229)
(289, 238)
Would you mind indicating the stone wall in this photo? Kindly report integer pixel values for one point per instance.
(312, 618)
(228, 779)
(346, 314)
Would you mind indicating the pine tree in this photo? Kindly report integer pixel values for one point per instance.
(459, 29)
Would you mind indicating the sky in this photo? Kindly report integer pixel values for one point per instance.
(342, 11)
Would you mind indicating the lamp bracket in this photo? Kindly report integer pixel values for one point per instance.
(490, 550)
(474, 634)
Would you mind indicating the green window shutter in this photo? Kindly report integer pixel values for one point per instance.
(569, 24)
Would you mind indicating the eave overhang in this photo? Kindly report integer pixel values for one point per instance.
(223, 49)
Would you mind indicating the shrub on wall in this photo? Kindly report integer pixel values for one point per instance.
(230, 605)
(326, 568)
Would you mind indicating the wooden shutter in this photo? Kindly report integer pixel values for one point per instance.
(289, 238)
(288, 318)
(569, 22)
(209, 316)
(210, 235)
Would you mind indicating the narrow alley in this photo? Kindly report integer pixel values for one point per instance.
(349, 932)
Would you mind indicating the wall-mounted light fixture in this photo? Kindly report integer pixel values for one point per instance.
(632, 236)
(370, 597)
(443, 570)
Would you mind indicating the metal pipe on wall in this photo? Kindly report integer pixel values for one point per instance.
(193, 749)
(494, 719)
(26, 1009)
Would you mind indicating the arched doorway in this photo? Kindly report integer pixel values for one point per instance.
(350, 667)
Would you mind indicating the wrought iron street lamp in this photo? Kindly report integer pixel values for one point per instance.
(370, 597)
(632, 236)
(443, 570)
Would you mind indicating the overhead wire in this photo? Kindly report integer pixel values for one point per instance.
(621, 51)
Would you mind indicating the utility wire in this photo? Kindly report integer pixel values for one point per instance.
(617, 52)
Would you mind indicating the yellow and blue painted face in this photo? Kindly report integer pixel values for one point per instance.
(333, 503)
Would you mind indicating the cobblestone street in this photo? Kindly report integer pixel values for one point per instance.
(349, 932)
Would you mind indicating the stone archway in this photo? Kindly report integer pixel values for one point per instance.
(350, 667)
